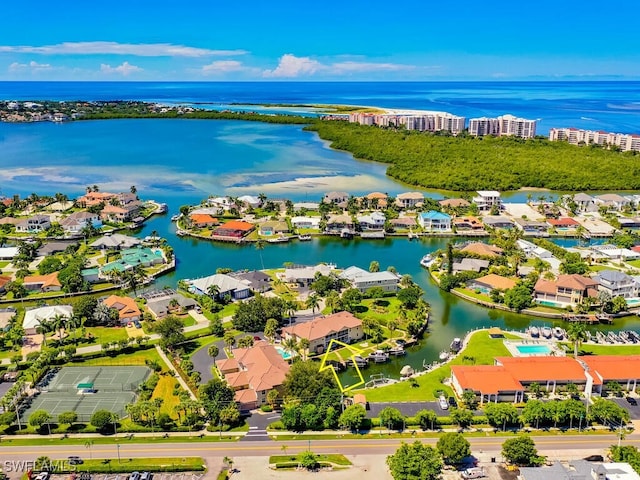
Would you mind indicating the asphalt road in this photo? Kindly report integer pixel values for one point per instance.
(547, 445)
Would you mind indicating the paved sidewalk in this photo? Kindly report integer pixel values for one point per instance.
(181, 381)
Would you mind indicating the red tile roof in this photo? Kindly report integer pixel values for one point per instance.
(237, 225)
(611, 367)
(323, 326)
(49, 280)
(484, 249)
(486, 379)
(541, 369)
(563, 222)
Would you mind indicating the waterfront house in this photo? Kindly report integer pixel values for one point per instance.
(468, 264)
(273, 227)
(337, 223)
(364, 280)
(253, 372)
(616, 283)
(403, 222)
(224, 284)
(203, 220)
(34, 224)
(234, 228)
(304, 276)
(75, 222)
(305, 222)
(250, 201)
(336, 197)
(34, 317)
(43, 283)
(467, 223)
(566, 290)
(612, 252)
(220, 203)
(373, 221)
(121, 213)
(454, 203)
(132, 257)
(127, 308)
(627, 223)
(92, 198)
(563, 223)
(497, 221)
(612, 201)
(433, 221)
(584, 202)
(306, 206)
(51, 248)
(341, 326)
(115, 241)
(486, 199)
(532, 228)
(256, 280)
(377, 200)
(482, 249)
(531, 250)
(491, 282)
(409, 200)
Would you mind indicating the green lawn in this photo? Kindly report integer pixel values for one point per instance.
(107, 334)
(634, 263)
(125, 464)
(481, 350)
(473, 294)
(136, 358)
(608, 349)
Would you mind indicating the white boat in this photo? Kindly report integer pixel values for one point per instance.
(379, 356)
(357, 360)
(427, 260)
(558, 333)
(456, 345)
(162, 208)
(534, 331)
(304, 238)
(280, 239)
(443, 355)
(397, 351)
(546, 332)
(175, 218)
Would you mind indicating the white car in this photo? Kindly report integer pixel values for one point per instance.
(442, 401)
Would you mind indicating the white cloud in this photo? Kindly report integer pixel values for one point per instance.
(115, 48)
(222, 66)
(31, 66)
(124, 69)
(291, 66)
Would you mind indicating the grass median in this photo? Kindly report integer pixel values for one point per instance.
(127, 465)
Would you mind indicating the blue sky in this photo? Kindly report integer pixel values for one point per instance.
(327, 40)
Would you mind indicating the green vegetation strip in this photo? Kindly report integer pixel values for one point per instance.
(98, 440)
(335, 458)
(467, 163)
(481, 350)
(126, 465)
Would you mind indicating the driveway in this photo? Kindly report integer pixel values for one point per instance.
(258, 423)
(202, 362)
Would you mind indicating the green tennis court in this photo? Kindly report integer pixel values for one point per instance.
(85, 390)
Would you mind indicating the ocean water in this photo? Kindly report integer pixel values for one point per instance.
(611, 106)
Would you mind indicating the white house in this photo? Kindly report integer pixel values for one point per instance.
(226, 285)
(435, 221)
(37, 223)
(75, 222)
(250, 200)
(373, 221)
(33, 318)
(364, 280)
(8, 253)
(409, 199)
(305, 222)
(486, 199)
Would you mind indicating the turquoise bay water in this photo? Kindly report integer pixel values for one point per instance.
(180, 162)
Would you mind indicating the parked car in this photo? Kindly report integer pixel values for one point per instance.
(146, 476)
(475, 472)
(632, 401)
(452, 402)
(43, 476)
(137, 324)
(134, 476)
(75, 460)
(442, 401)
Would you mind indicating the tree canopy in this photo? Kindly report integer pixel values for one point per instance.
(466, 163)
(415, 462)
(521, 451)
(453, 447)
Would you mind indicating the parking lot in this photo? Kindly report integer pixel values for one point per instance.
(634, 410)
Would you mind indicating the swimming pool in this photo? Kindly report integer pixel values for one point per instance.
(533, 349)
(283, 353)
(549, 303)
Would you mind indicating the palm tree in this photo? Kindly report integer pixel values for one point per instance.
(59, 322)
(313, 302)
(213, 291)
(291, 345)
(260, 247)
(303, 345)
(332, 300)
(576, 333)
(291, 307)
(44, 327)
(393, 326)
(213, 351)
